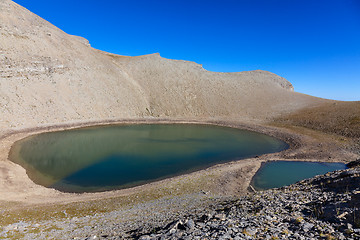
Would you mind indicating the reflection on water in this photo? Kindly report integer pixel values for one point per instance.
(282, 173)
(112, 157)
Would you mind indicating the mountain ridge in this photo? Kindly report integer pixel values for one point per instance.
(50, 77)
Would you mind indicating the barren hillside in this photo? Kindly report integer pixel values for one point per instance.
(48, 76)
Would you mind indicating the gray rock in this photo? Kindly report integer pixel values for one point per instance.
(304, 210)
(307, 226)
(225, 236)
(221, 217)
(190, 224)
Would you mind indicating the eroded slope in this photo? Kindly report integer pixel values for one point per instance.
(48, 77)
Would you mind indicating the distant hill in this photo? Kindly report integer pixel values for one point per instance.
(48, 76)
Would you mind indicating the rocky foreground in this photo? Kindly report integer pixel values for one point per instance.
(324, 207)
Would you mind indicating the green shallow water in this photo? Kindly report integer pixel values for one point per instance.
(277, 174)
(120, 156)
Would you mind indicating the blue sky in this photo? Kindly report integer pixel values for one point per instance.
(315, 44)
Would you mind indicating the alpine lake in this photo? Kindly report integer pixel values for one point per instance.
(275, 174)
(102, 158)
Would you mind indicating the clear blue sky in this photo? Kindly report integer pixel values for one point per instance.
(315, 44)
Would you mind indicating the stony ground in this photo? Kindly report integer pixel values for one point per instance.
(324, 207)
(113, 224)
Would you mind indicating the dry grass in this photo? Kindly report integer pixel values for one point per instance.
(340, 118)
(12, 212)
(70, 210)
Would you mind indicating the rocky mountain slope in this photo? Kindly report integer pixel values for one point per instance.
(48, 76)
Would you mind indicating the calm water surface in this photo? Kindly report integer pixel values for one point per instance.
(119, 156)
(282, 173)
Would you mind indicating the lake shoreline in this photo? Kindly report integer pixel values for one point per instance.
(129, 155)
(17, 187)
(32, 211)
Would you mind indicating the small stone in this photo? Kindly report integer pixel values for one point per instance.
(250, 231)
(190, 224)
(298, 220)
(307, 226)
(221, 217)
(342, 215)
(145, 237)
(200, 224)
(341, 237)
(225, 236)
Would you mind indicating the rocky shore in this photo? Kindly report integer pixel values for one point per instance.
(324, 207)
